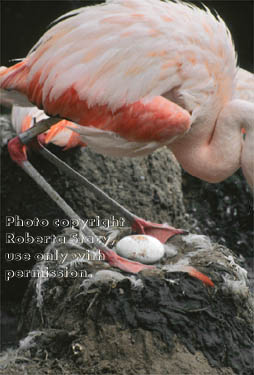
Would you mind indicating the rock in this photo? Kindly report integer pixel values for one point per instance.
(104, 321)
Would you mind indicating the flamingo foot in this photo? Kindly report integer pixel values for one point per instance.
(193, 272)
(198, 275)
(126, 265)
(160, 231)
(123, 264)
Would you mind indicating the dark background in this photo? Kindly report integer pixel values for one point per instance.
(23, 22)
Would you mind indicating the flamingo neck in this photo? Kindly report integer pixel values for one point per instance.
(213, 151)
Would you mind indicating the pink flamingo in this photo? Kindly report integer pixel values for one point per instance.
(135, 76)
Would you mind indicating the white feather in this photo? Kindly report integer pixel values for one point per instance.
(111, 144)
(122, 47)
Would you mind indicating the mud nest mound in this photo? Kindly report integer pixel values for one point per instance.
(156, 322)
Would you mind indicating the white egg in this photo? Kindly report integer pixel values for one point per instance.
(141, 248)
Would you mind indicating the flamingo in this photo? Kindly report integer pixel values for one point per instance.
(130, 77)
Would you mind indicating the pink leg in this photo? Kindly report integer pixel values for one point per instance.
(161, 231)
(18, 154)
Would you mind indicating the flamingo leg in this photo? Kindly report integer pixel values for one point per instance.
(161, 231)
(110, 256)
(36, 129)
(16, 149)
(18, 154)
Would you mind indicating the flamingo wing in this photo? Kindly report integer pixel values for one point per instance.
(117, 60)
